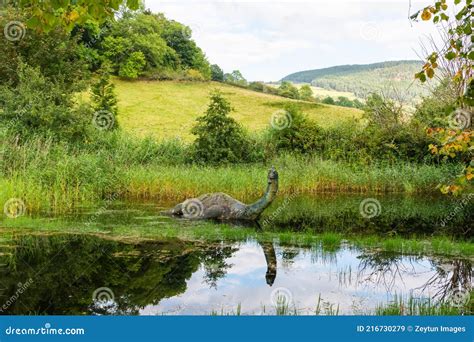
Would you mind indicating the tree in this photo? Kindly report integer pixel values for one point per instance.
(287, 89)
(40, 106)
(458, 140)
(235, 77)
(216, 73)
(328, 100)
(306, 93)
(133, 66)
(165, 45)
(459, 44)
(219, 138)
(56, 53)
(293, 131)
(104, 98)
(45, 15)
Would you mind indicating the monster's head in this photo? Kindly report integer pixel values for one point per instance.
(272, 175)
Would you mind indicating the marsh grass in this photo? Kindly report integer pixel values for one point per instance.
(58, 178)
(421, 307)
(211, 232)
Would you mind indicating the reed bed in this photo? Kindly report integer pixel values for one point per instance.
(58, 177)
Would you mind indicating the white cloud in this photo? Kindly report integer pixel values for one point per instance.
(267, 39)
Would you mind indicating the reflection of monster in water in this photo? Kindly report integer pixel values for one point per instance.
(270, 258)
(66, 270)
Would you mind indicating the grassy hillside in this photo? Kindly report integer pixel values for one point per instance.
(168, 109)
(362, 80)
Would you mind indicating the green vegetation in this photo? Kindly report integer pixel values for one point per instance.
(423, 307)
(169, 109)
(220, 139)
(362, 80)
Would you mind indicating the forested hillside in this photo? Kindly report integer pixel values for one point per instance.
(361, 80)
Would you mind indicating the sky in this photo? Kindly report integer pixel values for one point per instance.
(266, 40)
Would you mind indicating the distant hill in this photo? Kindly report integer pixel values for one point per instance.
(363, 79)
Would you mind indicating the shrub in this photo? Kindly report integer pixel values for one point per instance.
(306, 93)
(133, 66)
(216, 73)
(38, 106)
(103, 96)
(297, 133)
(435, 110)
(287, 89)
(328, 100)
(220, 139)
(194, 75)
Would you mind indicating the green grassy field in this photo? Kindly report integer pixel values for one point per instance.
(168, 109)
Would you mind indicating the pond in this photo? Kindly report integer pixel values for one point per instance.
(123, 258)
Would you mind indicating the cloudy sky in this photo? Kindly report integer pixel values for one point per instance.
(267, 40)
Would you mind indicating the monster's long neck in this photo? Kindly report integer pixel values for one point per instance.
(255, 209)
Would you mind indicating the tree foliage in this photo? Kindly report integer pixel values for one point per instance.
(46, 15)
(145, 43)
(103, 95)
(219, 138)
(454, 142)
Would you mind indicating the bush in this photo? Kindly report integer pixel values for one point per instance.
(216, 73)
(37, 106)
(286, 89)
(194, 75)
(103, 96)
(220, 139)
(435, 110)
(294, 132)
(133, 66)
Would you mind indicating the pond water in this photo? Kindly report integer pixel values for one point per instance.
(59, 265)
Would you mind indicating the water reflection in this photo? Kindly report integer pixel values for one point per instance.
(176, 277)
